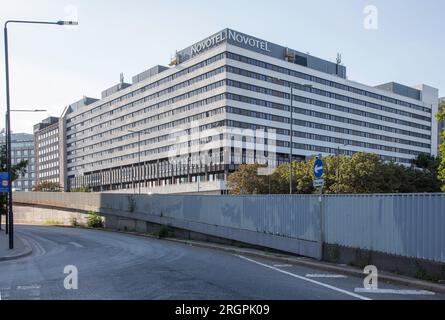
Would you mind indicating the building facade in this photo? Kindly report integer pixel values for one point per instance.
(225, 101)
(22, 149)
(441, 123)
(46, 145)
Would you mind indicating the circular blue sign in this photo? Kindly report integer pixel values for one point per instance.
(318, 168)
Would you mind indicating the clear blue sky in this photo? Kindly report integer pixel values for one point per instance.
(52, 66)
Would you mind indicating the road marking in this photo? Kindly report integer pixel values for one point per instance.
(76, 244)
(325, 276)
(282, 265)
(32, 287)
(392, 291)
(307, 279)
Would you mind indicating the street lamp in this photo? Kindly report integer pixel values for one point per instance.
(308, 86)
(139, 155)
(338, 161)
(28, 110)
(8, 117)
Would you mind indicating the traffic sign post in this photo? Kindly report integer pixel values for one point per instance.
(318, 168)
(4, 182)
(318, 173)
(4, 188)
(319, 183)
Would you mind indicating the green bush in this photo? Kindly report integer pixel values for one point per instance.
(163, 232)
(94, 220)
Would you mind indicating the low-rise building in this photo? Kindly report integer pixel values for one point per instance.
(22, 148)
(46, 144)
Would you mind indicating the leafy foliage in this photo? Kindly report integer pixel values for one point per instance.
(18, 170)
(94, 220)
(362, 173)
(441, 170)
(247, 181)
(81, 189)
(47, 186)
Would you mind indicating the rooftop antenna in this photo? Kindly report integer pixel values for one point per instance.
(338, 63)
(122, 77)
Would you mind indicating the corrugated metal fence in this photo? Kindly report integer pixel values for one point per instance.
(411, 225)
(407, 225)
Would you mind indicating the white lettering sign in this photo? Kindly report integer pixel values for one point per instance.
(233, 36)
(248, 41)
(208, 43)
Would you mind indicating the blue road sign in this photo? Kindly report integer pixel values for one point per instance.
(4, 182)
(318, 169)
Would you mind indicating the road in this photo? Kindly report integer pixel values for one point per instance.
(120, 266)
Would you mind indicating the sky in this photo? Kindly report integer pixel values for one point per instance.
(53, 66)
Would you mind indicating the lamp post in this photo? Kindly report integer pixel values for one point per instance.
(291, 85)
(6, 216)
(338, 162)
(8, 117)
(139, 155)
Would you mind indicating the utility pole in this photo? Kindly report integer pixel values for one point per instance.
(291, 136)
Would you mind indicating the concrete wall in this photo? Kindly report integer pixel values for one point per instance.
(46, 215)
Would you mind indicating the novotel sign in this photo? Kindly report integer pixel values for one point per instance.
(230, 36)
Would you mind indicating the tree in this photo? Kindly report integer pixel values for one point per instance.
(247, 181)
(362, 173)
(47, 186)
(18, 170)
(441, 170)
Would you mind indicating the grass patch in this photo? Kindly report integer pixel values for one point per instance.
(53, 222)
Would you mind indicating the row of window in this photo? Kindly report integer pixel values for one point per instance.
(108, 115)
(268, 104)
(100, 135)
(257, 101)
(48, 134)
(153, 85)
(331, 95)
(275, 93)
(113, 141)
(299, 146)
(325, 82)
(261, 115)
(104, 154)
(135, 155)
(22, 153)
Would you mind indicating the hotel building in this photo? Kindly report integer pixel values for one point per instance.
(225, 101)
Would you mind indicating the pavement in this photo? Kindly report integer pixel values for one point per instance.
(20, 248)
(111, 265)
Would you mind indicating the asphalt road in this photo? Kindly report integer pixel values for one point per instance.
(119, 266)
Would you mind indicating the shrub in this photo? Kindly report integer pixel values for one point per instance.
(163, 232)
(94, 220)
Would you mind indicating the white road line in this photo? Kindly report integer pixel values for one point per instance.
(282, 265)
(392, 291)
(325, 276)
(31, 287)
(76, 244)
(307, 279)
